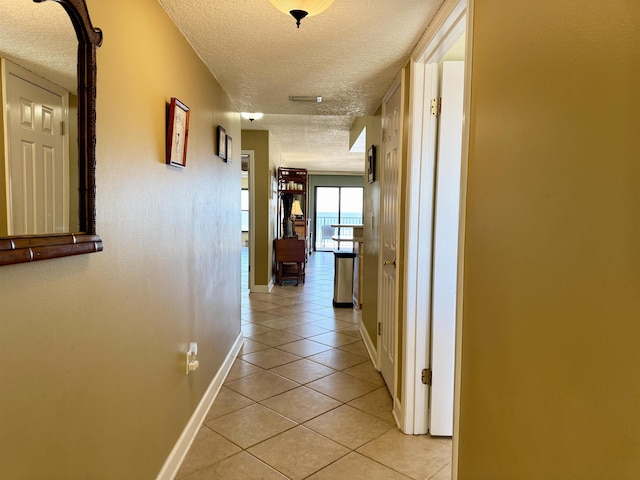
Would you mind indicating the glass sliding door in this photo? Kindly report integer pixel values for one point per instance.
(336, 205)
(327, 213)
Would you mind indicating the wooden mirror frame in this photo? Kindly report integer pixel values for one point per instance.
(30, 248)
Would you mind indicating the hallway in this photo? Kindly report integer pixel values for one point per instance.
(302, 401)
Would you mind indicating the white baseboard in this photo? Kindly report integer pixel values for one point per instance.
(397, 412)
(262, 288)
(173, 462)
(373, 353)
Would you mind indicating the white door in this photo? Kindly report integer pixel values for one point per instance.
(37, 164)
(389, 213)
(445, 255)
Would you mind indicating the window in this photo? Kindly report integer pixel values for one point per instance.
(336, 205)
(244, 206)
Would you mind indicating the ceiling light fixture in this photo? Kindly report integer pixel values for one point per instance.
(303, 98)
(300, 9)
(251, 116)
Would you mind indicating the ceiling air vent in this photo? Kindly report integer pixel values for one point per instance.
(303, 98)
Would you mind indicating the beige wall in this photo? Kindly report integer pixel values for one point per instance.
(371, 221)
(265, 164)
(92, 347)
(550, 387)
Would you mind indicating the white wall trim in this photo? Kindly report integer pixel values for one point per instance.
(368, 343)
(173, 462)
(447, 24)
(397, 412)
(262, 288)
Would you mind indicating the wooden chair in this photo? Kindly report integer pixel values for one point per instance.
(290, 256)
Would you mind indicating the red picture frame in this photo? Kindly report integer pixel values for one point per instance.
(177, 133)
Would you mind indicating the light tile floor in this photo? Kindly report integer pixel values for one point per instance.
(303, 401)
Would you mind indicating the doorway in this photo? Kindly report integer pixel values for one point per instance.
(435, 231)
(247, 217)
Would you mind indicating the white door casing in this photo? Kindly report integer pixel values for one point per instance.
(252, 220)
(445, 248)
(389, 216)
(420, 187)
(36, 153)
(445, 30)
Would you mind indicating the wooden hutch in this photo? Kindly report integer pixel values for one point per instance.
(293, 181)
(291, 246)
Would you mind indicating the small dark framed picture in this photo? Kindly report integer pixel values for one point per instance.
(177, 133)
(229, 149)
(371, 163)
(222, 142)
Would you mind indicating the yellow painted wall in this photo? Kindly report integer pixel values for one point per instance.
(3, 180)
(266, 154)
(551, 320)
(92, 380)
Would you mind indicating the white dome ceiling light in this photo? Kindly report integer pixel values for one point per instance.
(251, 116)
(300, 9)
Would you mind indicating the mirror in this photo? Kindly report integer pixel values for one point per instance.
(65, 225)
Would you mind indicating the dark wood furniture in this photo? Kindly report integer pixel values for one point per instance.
(290, 256)
(293, 182)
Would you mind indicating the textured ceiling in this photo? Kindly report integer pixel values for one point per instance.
(41, 38)
(349, 55)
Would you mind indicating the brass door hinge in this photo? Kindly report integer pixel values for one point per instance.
(61, 128)
(427, 376)
(379, 328)
(436, 106)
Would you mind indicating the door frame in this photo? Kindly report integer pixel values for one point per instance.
(451, 21)
(252, 222)
(399, 83)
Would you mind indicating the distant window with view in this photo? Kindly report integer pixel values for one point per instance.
(334, 206)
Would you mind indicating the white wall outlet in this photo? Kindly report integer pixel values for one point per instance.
(192, 363)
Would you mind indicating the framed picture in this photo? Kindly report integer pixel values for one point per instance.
(371, 163)
(229, 149)
(177, 133)
(222, 142)
(274, 185)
